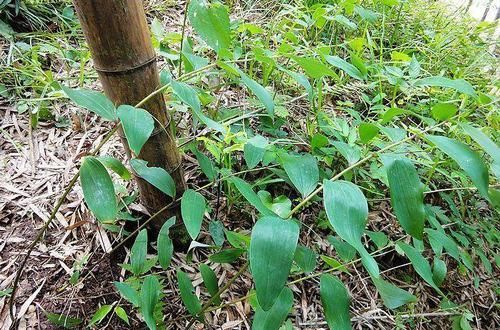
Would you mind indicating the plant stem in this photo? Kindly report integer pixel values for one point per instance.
(179, 70)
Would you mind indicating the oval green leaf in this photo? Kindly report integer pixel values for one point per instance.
(138, 124)
(443, 111)
(302, 170)
(467, 159)
(246, 190)
(407, 195)
(98, 189)
(92, 101)
(164, 244)
(335, 301)
(211, 22)
(150, 295)
(420, 264)
(392, 296)
(367, 131)
(345, 66)
(272, 247)
(100, 314)
(188, 297)
(276, 315)
(437, 81)
(192, 209)
(116, 166)
(156, 176)
(254, 150)
(347, 210)
(210, 281)
(188, 95)
(226, 256)
(138, 252)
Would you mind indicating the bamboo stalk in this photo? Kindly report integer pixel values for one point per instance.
(118, 37)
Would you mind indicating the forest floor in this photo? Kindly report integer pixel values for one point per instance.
(36, 165)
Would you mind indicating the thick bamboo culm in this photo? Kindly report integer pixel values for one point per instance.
(119, 40)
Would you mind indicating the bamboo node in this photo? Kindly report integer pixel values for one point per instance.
(126, 70)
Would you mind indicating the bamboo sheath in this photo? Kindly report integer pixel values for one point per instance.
(119, 40)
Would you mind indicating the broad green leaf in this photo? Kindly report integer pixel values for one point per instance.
(367, 131)
(272, 248)
(246, 190)
(226, 256)
(138, 252)
(351, 153)
(458, 84)
(359, 64)
(262, 94)
(335, 301)
(100, 314)
(211, 22)
(92, 101)
(156, 176)
(420, 264)
(407, 195)
(345, 21)
(138, 124)
(150, 295)
(443, 111)
(6, 30)
(484, 260)
(319, 141)
(98, 189)
(188, 297)
(414, 68)
(280, 205)
(439, 239)
(164, 244)
(379, 238)
(314, 68)
(345, 251)
(64, 321)
(347, 67)
(238, 240)
(483, 140)
(210, 281)
(120, 312)
(128, 292)
(366, 14)
(276, 315)
(302, 80)
(206, 164)
(305, 258)
(302, 170)
(192, 209)
(347, 211)
(216, 229)
(438, 271)
(467, 159)
(116, 166)
(400, 57)
(188, 95)
(392, 296)
(334, 263)
(254, 150)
